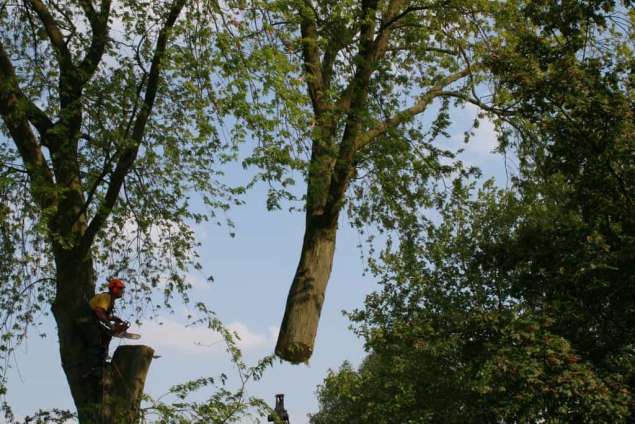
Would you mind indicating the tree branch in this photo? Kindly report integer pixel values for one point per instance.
(15, 110)
(390, 15)
(99, 27)
(478, 102)
(391, 20)
(52, 29)
(93, 189)
(333, 47)
(129, 153)
(311, 57)
(338, 38)
(34, 114)
(406, 114)
(371, 49)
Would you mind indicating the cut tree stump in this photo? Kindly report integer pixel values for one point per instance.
(124, 380)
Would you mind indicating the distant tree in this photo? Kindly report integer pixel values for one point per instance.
(450, 342)
(109, 116)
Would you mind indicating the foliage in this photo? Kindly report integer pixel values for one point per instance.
(393, 150)
(449, 342)
(226, 404)
(129, 136)
(360, 76)
(577, 240)
(517, 306)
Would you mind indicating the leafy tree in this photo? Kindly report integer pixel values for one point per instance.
(357, 75)
(109, 119)
(517, 307)
(579, 90)
(450, 342)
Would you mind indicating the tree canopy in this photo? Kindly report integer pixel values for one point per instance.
(357, 78)
(112, 117)
(517, 305)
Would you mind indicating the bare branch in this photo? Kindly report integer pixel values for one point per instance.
(425, 49)
(478, 102)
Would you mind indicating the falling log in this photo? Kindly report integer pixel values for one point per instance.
(306, 296)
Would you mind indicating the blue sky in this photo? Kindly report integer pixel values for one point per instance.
(252, 274)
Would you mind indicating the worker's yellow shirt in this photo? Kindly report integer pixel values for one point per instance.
(101, 300)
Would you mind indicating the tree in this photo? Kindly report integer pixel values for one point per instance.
(108, 112)
(448, 340)
(517, 306)
(358, 75)
(579, 250)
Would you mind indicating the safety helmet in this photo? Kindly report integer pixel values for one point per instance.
(116, 282)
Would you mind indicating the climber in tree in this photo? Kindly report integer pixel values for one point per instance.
(102, 305)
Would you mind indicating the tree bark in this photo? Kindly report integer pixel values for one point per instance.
(125, 378)
(77, 333)
(306, 296)
(103, 393)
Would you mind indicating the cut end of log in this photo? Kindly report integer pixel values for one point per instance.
(133, 351)
(296, 353)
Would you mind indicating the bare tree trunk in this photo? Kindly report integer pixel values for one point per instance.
(306, 296)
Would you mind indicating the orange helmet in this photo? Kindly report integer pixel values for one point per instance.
(116, 282)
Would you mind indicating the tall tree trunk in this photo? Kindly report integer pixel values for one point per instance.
(89, 377)
(306, 296)
(78, 336)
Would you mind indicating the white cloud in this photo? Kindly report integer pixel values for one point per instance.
(483, 142)
(249, 340)
(174, 336)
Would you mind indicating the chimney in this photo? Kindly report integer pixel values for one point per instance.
(279, 410)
